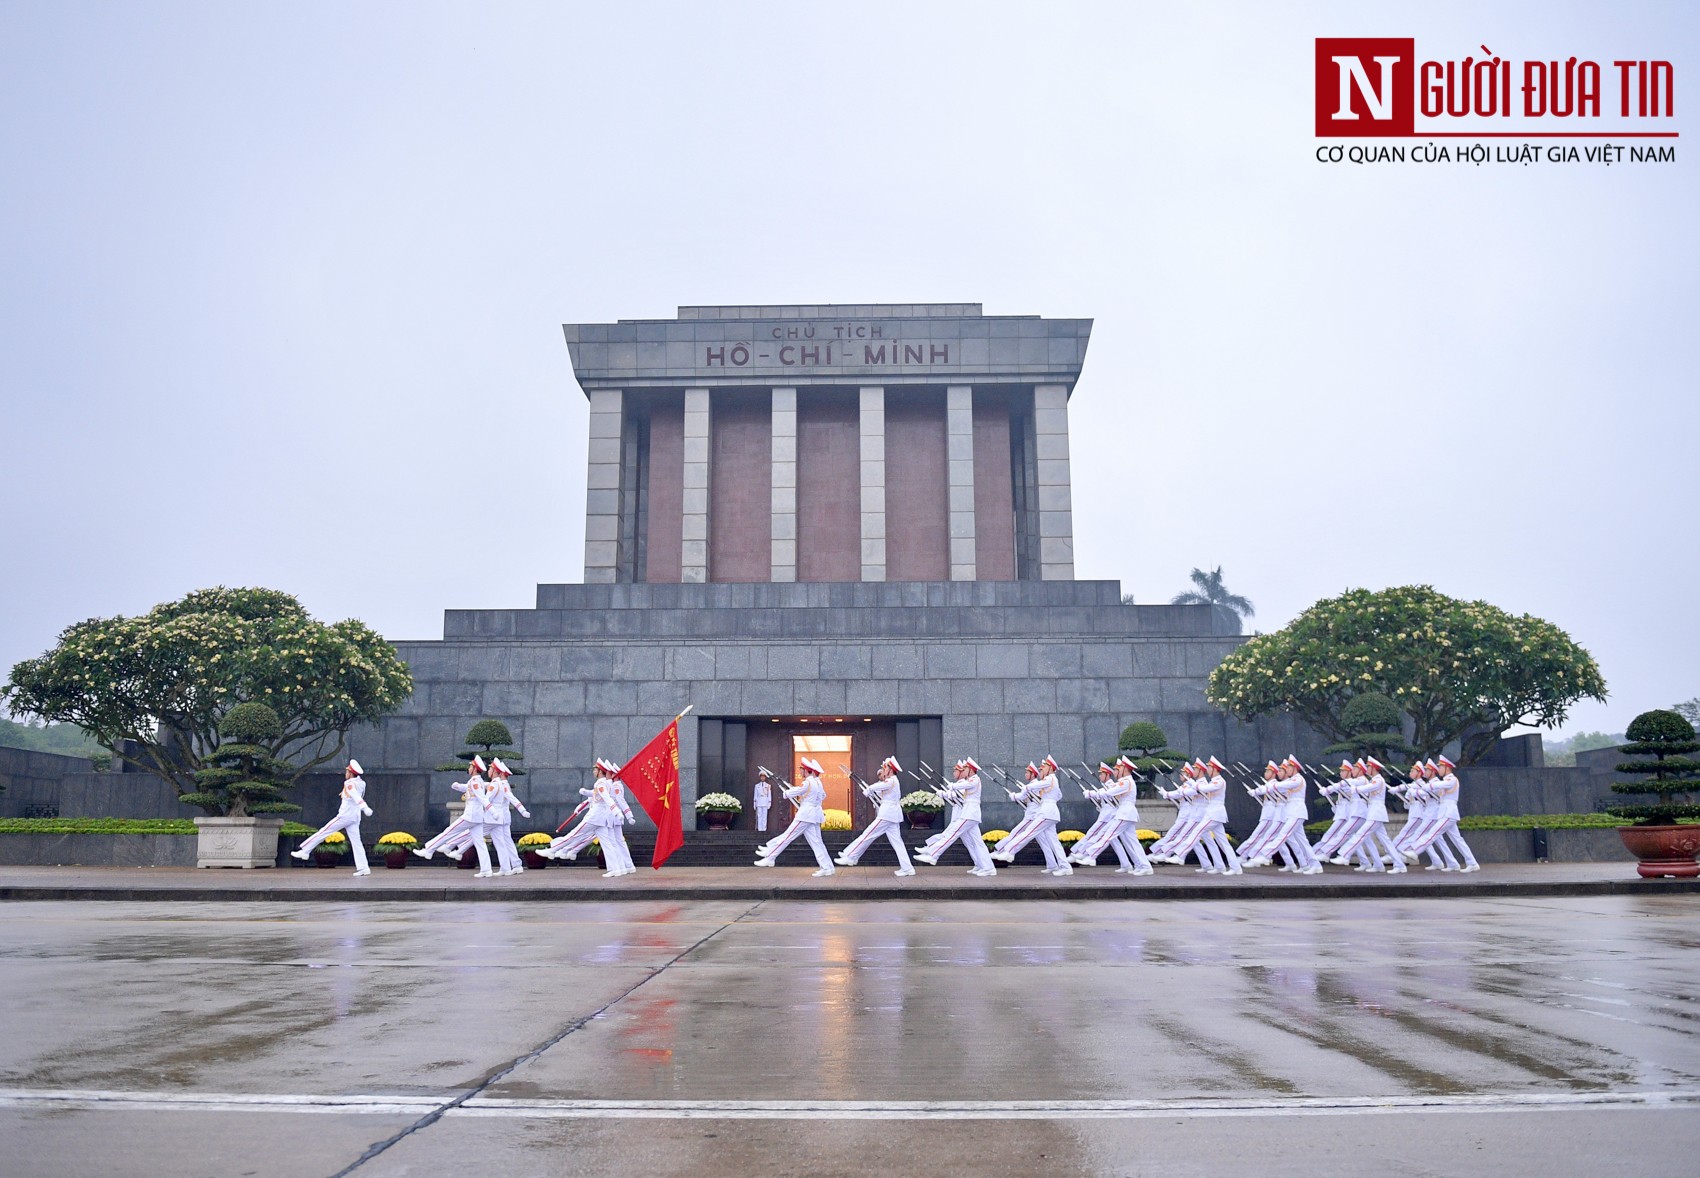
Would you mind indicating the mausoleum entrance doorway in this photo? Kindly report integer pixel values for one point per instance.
(832, 750)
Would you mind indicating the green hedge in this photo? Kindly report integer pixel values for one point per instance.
(1521, 822)
(121, 826)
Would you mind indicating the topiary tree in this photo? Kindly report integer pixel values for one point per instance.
(1664, 737)
(488, 739)
(243, 778)
(1373, 720)
(1461, 670)
(1148, 748)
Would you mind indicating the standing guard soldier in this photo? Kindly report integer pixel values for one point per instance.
(761, 796)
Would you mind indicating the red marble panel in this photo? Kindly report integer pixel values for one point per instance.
(994, 496)
(666, 493)
(829, 483)
(740, 482)
(917, 488)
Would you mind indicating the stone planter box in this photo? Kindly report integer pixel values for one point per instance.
(237, 842)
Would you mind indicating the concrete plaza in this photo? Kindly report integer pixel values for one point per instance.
(1452, 1035)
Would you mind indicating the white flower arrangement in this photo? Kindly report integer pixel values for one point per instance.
(719, 804)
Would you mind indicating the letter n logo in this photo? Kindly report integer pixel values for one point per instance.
(1366, 86)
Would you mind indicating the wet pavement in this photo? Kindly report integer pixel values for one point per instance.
(1422, 1036)
(750, 884)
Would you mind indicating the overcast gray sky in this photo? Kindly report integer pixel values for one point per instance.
(281, 286)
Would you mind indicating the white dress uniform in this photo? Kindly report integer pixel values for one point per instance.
(888, 821)
(347, 819)
(1442, 786)
(500, 798)
(761, 796)
(1040, 796)
(1086, 849)
(479, 824)
(1178, 843)
(1215, 794)
(1428, 820)
(810, 799)
(964, 797)
(1373, 789)
(614, 848)
(454, 838)
(1122, 830)
(1295, 812)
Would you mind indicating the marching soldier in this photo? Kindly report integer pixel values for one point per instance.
(347, 819)
(501, 797)
(1122, 830)
(888, 819)
(456, 836)
(1040, 796)
(964, 796)
(809, 797)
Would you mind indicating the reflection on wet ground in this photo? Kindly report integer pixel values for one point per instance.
(891, 1000)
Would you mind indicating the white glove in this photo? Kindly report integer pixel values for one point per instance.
(365, 809)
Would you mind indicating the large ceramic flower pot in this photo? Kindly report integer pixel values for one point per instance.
(395, 859)
(326, 858)
(718, 819)
(921, 819)
(532, 860)
(1663, 850)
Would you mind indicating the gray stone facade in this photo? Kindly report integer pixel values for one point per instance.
(1010, 670)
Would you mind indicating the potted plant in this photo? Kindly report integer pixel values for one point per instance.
(1069, 837)
(529, 847)
(992, 838)
(1663, 845)
(330, 852)
(394, 847)
(240, 790)
(718, 811)
(921, 807)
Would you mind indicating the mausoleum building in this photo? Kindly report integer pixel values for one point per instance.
(835, 531)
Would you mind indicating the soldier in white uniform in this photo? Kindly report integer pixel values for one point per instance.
(1295, 812)
(501, 798)
(936, 841)
(347, 819)
(1022, 833)
(1122, 831)
(761, 796)
(1086, 849)
(885, 792)
(1371, 789)
(810, 798)
(964, 796)
(614, 849)
(1441, 782)
(1186, 819)
(1041, 795)
(597, 805)
(454, 838)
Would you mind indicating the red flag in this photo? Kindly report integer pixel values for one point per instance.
(653, 777)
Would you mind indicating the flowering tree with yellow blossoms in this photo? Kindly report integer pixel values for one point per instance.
(166, 679)
(1460, 670)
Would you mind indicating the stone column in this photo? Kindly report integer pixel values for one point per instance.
(693, 552)
(602, 501)
(1056, 511)
(959, 443)
(873, 484)
(784, 485)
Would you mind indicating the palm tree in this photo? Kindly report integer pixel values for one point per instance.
(1229, 607)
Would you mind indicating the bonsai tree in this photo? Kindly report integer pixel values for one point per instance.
(243, 779)
(488, 739)
(1147, 746)
(1661, 738)
(1373, 720)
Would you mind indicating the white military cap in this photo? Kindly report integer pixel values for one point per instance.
(972, 764)
(355, 765)
(812, 765)
(892, 763)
